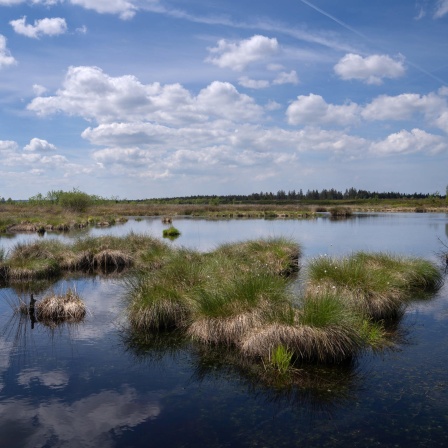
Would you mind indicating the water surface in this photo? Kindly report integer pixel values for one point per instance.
(90, 385)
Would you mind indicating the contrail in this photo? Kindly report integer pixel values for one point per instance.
(335, 19)
(349, 28)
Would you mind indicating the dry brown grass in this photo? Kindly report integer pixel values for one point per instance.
(328, 344)
(56, 308)
(228, 331)
(109, 258)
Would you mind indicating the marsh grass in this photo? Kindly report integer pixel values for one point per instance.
(161, 299)
(238, 296)
(375, 285)
(280, 359)
(171, 232)
(49, 258)
(56, 308)
(226, 312)
(341, 212)
(275, 255)
(213, 296)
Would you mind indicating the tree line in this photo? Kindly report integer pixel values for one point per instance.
(297, 195)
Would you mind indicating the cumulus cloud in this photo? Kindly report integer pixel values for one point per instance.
(253, 83)
(125, 9)
(402, 107)
(371, 69)
(43, 27)
(237, 55)
(6, 59)
(90, 93)
(55, 379)
(405, 142)
(312, 110)
(38, 89)
(38, 145)
(89, 422)
(8, 145)
(286, 78)
(441, 9)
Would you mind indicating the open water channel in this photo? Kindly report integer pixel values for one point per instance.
(91, 386)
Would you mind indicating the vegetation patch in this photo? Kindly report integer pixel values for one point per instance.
(341, 212)
(171, 232)
(376, 285)
(61, 308)
(238, 297)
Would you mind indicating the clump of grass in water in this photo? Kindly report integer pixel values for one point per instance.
(340, 212)
(171, 232)
(227, 311)
(61, 307)
(376, 285)
(161, 299)
(275, 255)
(322, 329)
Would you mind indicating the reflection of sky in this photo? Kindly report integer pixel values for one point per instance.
(88, 422)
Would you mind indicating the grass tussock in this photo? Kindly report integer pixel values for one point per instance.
(171, 232)
(61, 308)
(376, 285)
(211, 295)
(49, 258)
(274, 255)
(238, 297)
(329, 344)
(341, 212)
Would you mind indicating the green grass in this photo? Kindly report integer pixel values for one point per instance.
(280, 359)
(377, 285)
(171, 232)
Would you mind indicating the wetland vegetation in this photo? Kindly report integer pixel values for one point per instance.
(239, 296)
(264, 331)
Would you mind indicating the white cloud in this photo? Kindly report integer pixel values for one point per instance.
(313, 110)
(90, 93)
(403, 107)
(405, 142)
(38, 89)
(125, 9)
(8, 145)
(371, 69)
(253, 83)
(81, 30)
(441, 9)
(5, 56)
(287, 78)
(55, 379)
(38, 145)
(237, 55)
(44, 27)
(89, 422)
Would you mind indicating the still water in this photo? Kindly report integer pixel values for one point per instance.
(91, 386)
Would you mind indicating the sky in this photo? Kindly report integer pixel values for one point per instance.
(137, 99)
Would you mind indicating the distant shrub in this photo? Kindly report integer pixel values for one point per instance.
(75, 200)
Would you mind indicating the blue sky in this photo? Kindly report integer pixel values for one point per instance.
(162, 98)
